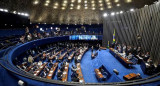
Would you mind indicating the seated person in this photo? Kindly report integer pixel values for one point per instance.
(46, 69)
(43, 74)
(146, 57)
(130, 56)
(74, 77)
(39, 63)
(59, 74)
(74, 68)
(30, 60)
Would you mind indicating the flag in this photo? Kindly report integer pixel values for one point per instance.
(114, 40)
(108, 45)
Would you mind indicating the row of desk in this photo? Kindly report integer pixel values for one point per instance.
(124, 61)
(79, 72)
(81, 54)
(65, 73)
(99, 74)
(52, 71)
(37, 72)
(54, 56)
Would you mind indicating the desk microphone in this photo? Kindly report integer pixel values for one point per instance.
(116, 71)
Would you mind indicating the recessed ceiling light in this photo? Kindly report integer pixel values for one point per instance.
(118, 5)
(116, 1)
(109, 7)
(105, 14)
(86, 7)
(128, 1)
(101, 8)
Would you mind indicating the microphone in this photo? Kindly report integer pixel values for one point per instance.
(116, 71)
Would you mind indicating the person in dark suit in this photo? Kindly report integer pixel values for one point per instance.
(59, 74)
(134, 51)
(146, 57)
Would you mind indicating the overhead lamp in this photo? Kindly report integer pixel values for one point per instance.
(56, 4)
(121, 12)
(100, 4)
(46, 4)
(108, 3)
(1, 9)
(92, 1)
(132, 9)
(107, 0)
(109, 7)
(55, 7)
(79, 1)
(116, 1)
(26, 14)
(105, 14)
(118, 5)
(63, 8)
(36, 2)
(93, 8)
(71, 5)
(101, 8)
(86, 8)
(117, 12)
(71, 8)
(100, 1)
(65, 2)
(112, 14)
(128, 1)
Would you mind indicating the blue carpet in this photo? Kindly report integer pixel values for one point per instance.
(105, 58)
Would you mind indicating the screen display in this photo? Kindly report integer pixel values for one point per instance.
(83, 37)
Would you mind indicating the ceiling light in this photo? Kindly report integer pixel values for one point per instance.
(72, 5)
(116, 1)
(14, 12)
(118, 5)
(55, 7)
(107, 0)
(56, 4)
(26, 14)
(36, 2)
(121, 12)
(93, 8)
(79, 1)
(100, 4)
(46, 4)
(131, 9)
(5, 10)
(92, 1)
(109, 3)
(85, 1)
(112, 13)
(1, 9)
(128, 1)
(100, 1)
(93, 5)
(109, 7)
(65, 2)
(86, 7)
(73, 1)
(48, 1)
(71, 8)
(105, 14)
(63, 8)
(117, 12)
(78, 7)
(101, 8)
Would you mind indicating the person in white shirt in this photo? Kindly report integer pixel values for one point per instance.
(39, 63)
